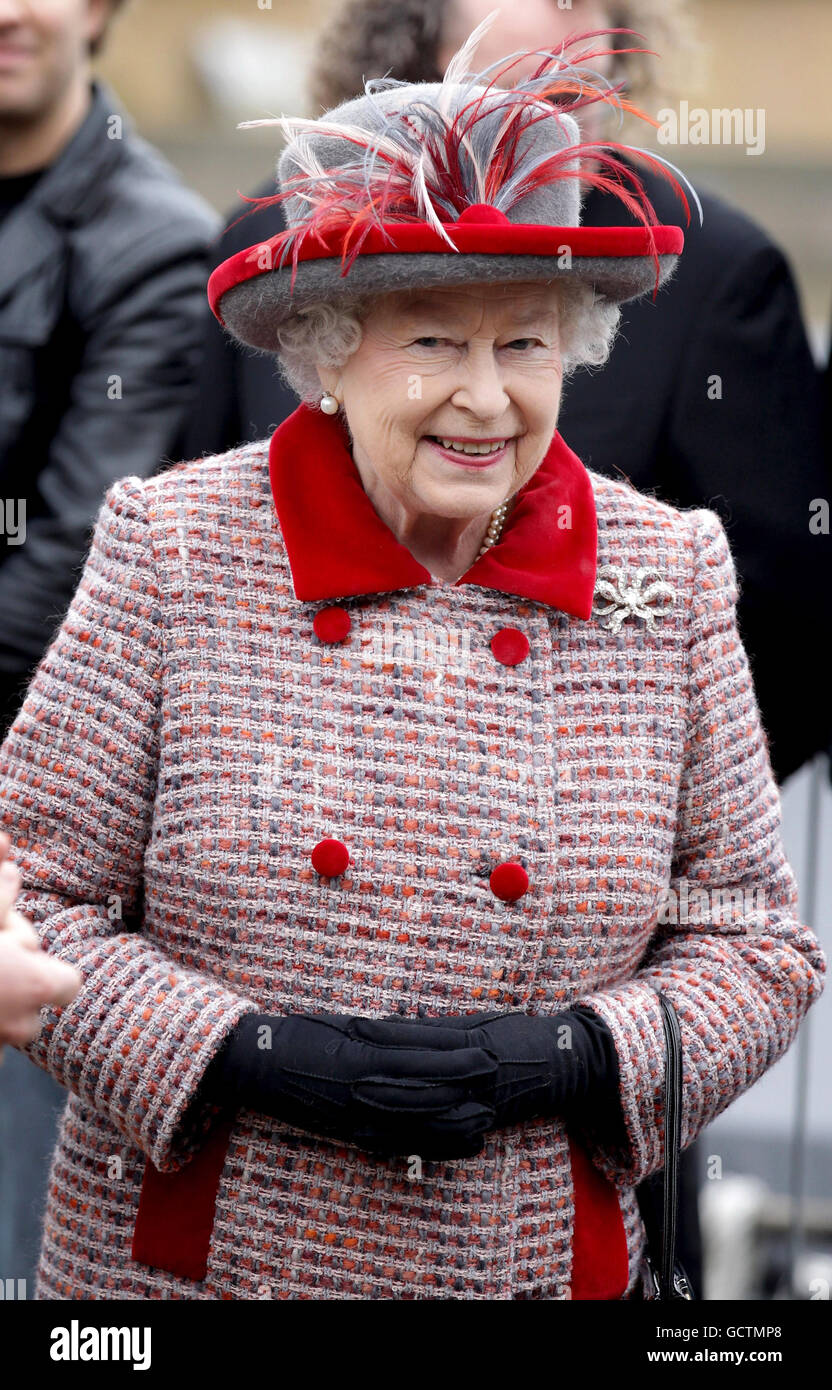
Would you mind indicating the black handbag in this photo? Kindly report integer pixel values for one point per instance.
(658, 1196)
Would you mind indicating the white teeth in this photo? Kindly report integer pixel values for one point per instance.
(473, 448)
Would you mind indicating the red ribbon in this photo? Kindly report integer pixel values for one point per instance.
(600, 1261)
(176, 1210)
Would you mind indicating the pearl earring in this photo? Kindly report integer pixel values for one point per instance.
(329, 404)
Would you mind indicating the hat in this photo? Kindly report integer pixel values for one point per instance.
(422, 185)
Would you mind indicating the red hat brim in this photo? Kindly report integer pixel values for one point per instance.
(650, 251)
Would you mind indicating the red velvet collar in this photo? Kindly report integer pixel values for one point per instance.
(338, 545)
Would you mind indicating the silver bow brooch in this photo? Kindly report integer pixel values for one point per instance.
(636, 598)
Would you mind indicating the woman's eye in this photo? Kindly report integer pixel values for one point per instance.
(522, 343)
(429, 342)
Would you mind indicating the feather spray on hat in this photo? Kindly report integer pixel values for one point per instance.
(433, 171)
(449, 183)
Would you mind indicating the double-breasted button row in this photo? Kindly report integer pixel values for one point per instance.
(509, 645)
(508, 881)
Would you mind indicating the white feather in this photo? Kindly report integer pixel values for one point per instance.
(460, 65)
(427, 205)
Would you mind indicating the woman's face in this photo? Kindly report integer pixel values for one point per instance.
(439, 369)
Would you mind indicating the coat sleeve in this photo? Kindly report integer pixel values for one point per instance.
(78, 772)
(728, 949)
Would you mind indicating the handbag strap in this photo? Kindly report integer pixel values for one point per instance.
(658, 1195)
(673, 1140)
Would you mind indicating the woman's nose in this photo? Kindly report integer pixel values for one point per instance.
(480, 389)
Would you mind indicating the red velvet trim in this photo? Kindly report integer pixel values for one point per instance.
(600, 1262)
(338, 545)
(176, 1210)
(410, 238)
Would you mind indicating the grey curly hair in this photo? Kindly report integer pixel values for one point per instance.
(326, 335)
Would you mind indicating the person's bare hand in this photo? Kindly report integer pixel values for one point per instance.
(10, 919)
(29, 977)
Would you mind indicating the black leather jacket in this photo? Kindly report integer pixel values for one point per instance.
(103, 271)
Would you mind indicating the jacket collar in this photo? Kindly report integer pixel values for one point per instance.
(68, 192)
(338, 546)
(71, 186)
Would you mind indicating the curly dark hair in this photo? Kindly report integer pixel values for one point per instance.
(371, 38)
(368, 38)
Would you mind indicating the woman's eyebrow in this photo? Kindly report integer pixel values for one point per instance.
(532, 316)
(442, 316)
(433, 312)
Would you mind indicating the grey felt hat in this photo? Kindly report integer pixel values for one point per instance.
(419, 185)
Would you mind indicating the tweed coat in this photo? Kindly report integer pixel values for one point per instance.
(253, 664)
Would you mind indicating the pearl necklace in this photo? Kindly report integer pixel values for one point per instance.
(495, 526)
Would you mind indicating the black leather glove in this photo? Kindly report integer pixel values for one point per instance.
(321, 1073)
(552, 1065)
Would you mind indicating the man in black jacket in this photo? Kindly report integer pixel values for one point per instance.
(731, 416)
(103, 266)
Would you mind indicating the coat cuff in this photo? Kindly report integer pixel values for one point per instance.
(174, 1128)
(633, 1015)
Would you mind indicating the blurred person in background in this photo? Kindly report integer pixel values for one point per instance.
(103, 263)
(756, 455)
(103, 266)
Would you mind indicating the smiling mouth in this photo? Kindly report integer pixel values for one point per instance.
(474, 447)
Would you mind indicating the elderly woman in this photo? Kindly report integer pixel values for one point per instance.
(375, 772)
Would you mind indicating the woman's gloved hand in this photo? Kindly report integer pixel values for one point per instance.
(323, 1073)
(545, 1065)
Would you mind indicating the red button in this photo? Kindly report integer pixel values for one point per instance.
(510, 646)
(330, 858)
(508, 881)
(332, 624)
